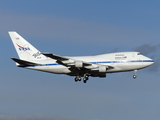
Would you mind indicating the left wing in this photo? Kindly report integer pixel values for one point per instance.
(69, 62)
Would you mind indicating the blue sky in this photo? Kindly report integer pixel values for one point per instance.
(72, 28)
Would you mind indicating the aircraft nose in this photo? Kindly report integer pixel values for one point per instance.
(150, 61)
(147, 61)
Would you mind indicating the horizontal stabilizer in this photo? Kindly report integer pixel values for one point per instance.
(23, 63)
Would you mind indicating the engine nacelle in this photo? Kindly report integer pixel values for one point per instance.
(102, 69)
(78, 64)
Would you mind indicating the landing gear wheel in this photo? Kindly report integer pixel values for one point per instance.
(86, 77)
(77, 78)
(84, 81)
(134, 76)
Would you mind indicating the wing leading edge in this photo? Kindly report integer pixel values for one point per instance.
(81, 65)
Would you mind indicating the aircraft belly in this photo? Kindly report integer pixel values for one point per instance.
(119, 67)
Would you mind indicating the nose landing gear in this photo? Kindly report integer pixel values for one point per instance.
(135, 76)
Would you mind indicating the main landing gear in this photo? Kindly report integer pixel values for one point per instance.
(135, 76)
(86, 77)
(78, 78)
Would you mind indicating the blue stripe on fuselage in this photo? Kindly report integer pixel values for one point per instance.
(101, 62)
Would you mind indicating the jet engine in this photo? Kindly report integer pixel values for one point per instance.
(102, 69)
(78, 64)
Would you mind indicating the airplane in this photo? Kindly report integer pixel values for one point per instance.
(80, 66)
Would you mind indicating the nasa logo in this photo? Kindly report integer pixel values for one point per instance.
(23, 48)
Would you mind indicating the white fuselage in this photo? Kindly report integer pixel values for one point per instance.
(81, 66)
(121, 61)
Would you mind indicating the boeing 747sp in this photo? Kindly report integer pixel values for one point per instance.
(81, 66)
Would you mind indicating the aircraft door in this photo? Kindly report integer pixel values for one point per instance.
(139, 58)
(112, 62)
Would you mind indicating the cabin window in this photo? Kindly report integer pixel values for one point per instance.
(138, 53)
(119, 55)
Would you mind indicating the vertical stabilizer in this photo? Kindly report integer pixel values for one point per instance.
(24, 49)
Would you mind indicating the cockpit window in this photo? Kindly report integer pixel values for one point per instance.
(138, 53)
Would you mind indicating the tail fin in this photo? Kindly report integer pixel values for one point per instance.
(24, 49)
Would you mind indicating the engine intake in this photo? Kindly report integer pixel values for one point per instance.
(79, 64)
(102, 69)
